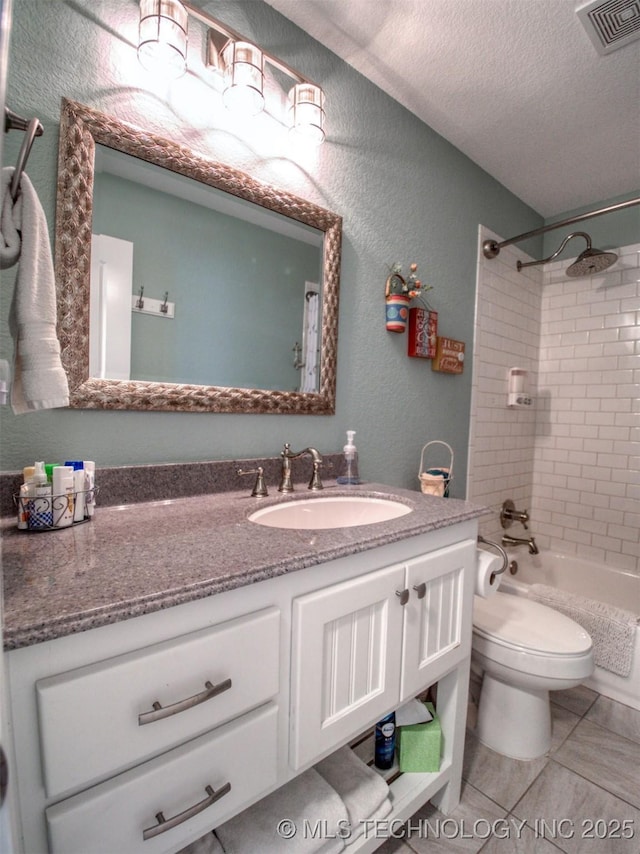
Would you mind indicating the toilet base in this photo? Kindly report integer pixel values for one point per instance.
(514, 721)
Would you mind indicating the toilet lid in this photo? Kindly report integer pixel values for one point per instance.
(516, 621)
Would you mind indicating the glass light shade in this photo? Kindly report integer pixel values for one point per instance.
(162, 46)
(243, 78)
(306, 112)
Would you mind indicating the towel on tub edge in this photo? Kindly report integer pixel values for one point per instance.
(612, 629)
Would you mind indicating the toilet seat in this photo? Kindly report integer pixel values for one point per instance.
(511, 621)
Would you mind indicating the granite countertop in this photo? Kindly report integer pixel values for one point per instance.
(135, 559)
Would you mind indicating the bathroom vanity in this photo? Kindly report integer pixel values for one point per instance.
(171, 663)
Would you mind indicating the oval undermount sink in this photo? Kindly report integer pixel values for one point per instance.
(339, 511)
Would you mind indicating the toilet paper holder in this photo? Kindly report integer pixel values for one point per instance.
(501, 552)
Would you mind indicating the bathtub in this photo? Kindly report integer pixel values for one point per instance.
(595, 581)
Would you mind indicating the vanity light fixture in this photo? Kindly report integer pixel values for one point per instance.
(243, 65)
(162, 46)
(163, 36)
(307, 112)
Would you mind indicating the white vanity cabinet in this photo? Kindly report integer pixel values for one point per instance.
(362, 647)
(127, 740)
(140, 736)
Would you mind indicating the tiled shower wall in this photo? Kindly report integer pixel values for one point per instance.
(586, 490)
(573, 460)
(507, 335)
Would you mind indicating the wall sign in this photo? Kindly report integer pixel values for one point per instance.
(449, 358)
(423, 333)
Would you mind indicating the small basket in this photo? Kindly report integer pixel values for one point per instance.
(436, 479)
(44, 513)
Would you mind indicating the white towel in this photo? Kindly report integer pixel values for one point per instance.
(612, 629)
(372, 827)
(362, 790)
(39, 379)
(308, 804)
(208, 844)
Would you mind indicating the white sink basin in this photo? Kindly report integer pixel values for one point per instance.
(340, 511)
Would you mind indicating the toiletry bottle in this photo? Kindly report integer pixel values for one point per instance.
(63, 496)
(79, 489)
(40, 514)
(349, 468)
(385, 742)
(49, 467)
(89, 484)
(27, 494)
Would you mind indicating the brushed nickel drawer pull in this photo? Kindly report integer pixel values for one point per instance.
(403, 596)
(421, 590)
(168, 823)
(158, 712)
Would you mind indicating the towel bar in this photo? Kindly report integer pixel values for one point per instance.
(32, 129)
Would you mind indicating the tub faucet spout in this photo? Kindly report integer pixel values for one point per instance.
(521, 541)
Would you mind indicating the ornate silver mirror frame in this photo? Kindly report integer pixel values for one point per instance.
(81, 129)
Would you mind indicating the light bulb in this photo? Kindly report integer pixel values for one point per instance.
(162, 46)
(306, 112)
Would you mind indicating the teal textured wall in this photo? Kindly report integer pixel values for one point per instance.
(405, 194)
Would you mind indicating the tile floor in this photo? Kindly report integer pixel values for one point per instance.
(583, 797)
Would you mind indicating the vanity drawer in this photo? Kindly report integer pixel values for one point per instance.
(112, 816)
(89, 718)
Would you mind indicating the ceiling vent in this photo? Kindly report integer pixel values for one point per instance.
(611, 24)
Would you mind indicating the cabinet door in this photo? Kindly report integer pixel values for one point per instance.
(345, 660)
(436, 633)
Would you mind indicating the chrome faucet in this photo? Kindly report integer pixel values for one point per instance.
(287, 455)
(517, 541)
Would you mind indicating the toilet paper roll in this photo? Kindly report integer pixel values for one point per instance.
(487, 582)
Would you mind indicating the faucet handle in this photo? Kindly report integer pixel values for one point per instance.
(260, 487)
(509, 514)
(315, 484)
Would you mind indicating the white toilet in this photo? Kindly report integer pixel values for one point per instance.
(524, 650)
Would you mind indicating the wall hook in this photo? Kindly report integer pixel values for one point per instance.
(140, 301)
(164, 308)
(297, 360)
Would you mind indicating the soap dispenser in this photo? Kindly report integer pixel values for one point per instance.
(349, 468)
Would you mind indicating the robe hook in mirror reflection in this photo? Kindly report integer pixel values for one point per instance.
(162, 48)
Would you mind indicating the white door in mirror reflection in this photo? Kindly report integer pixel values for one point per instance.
(310, 338)
(110, 308)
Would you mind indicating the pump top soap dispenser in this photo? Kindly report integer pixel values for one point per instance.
(349, 468)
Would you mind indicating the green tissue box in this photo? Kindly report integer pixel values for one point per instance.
(419, 745)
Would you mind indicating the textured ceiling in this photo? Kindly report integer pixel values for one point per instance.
(517, 85)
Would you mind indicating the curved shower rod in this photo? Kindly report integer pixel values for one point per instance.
(491, 248)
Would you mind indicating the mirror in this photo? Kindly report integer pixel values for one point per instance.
(162, 369)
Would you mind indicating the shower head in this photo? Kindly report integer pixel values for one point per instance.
(588, 262)
(591, 261)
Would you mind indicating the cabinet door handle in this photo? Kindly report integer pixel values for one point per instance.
(403, 596)
(421, 590)
(168, 823)
(158, 712)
